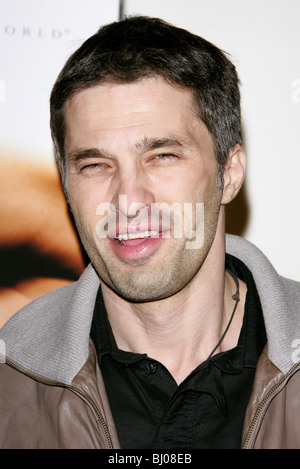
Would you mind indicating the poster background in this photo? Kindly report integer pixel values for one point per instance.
(39, 249)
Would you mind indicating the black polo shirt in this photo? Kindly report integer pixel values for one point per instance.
(206, 410)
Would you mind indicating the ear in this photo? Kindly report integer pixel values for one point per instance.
(234, 173)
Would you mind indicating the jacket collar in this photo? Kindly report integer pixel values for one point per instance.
(280, 300)
(50, 336)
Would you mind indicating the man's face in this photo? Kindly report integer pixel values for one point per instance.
(135, 148)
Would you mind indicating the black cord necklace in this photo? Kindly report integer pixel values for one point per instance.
(236, 298)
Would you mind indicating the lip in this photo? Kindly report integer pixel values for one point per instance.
(136, 249)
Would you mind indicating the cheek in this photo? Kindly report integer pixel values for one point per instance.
(190, 190)
(196, 181)
(83, 198)
(84, 214)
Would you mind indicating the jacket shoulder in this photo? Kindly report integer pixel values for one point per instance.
(50, 336)
(273, 413)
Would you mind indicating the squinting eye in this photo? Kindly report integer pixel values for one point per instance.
(94, 168)
(165, 157)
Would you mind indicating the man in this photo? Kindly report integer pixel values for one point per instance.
(175, 336)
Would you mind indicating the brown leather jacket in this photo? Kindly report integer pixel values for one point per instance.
(273, 413)
(48, 414)
(51, 389)
(38, 413)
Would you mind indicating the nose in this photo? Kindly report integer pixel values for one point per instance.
(133, 192)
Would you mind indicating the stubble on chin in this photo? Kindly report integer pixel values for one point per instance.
(140, 281)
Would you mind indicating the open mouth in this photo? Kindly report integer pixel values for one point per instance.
(136, 245)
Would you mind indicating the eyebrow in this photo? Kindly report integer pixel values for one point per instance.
(149, 143)
(146, 144)
(81, 154)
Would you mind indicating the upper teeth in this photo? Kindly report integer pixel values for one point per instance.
(141, 234)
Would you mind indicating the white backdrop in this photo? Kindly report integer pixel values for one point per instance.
(263, 39)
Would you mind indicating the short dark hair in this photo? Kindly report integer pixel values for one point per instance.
(139, 47)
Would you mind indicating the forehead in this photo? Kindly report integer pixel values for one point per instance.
(142, 95)
(147, 108)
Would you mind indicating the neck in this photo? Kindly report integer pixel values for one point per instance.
(182, 330)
